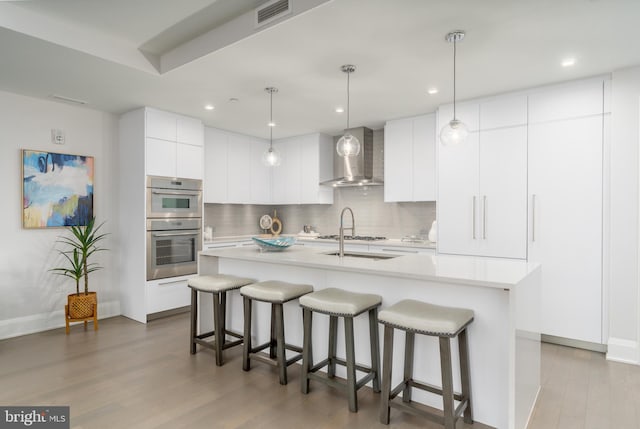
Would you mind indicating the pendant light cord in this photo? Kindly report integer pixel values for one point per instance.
(348, 98)
(270, 120)
(454, 78)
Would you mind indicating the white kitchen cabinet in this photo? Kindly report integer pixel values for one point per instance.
(168, 294)
(215, 166)
(234, 172)
(161, 157)
(166, 155)
(239, 169)
(260, 187)
(565, 226)
(569, 100)
(410, 159)
(482, 188)
(306, 161)
(160, 125)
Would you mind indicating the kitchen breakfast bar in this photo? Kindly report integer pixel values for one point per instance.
(504, 338)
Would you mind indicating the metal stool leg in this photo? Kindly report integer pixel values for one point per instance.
(375, 347)
(465, 378)
(447, 383)
(246, 348)
(194, 321)
(217, 328)
(307, 355)
(333, 340)
(351, 364)
(280, 346)
(387, 361)
(409, 346)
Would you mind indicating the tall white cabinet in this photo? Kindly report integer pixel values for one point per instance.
(482, 183)
(151, 142)
(528, 183)
(566, 143)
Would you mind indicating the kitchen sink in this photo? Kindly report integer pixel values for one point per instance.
(372, 256)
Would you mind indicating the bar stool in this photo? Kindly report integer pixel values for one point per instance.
(218, 285)
(416, 317)
(340, 303)
(276, 293)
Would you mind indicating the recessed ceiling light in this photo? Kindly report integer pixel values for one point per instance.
(209, 107)
(432, 91)
(339, 109)
(271, 124)
(568, 62)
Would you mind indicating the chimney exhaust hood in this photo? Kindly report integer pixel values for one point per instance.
(351, 171)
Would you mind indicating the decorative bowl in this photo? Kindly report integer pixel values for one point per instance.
(274, 244)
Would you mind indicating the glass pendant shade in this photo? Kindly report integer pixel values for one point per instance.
(270, 158)
(454, 132)
(348, 145)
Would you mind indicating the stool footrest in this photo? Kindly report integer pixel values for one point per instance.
(268, 344)
(417, 408)
(359, 367)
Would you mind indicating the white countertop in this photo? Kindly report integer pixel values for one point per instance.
(388, 242)
(468, 270)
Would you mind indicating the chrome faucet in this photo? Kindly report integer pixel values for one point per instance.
(342, 228)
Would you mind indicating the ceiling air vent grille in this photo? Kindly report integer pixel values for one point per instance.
(271, 10)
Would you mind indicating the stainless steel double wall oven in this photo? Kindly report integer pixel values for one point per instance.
(174, 226)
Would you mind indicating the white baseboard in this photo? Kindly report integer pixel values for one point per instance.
(44, 321)
(625, 351)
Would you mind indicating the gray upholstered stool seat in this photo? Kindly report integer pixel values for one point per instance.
(277, 293)
(416, 317)
(218, 285)
(425, 318)
(341, 303)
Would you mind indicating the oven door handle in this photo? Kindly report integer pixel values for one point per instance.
(185, 192)
(173, 234)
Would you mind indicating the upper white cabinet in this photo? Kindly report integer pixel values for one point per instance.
(482, 184)
(235, 172)
(306, 161)
(216, 166)
(174, 145)
(570, 100)
(410, 159)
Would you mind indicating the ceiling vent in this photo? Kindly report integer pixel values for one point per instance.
(271, 11)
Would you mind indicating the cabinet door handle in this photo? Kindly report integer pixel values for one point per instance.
(533, 218)
(473, 219)
(484, 217)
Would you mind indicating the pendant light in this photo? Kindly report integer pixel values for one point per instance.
(348, 145)
(271, 158)
(455, 131)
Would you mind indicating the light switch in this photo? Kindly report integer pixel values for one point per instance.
(57, 136)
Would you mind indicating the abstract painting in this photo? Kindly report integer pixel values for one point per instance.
(57, 189)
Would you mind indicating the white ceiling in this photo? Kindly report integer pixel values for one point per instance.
(120, 54)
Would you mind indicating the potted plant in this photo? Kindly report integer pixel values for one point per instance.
(80, 246)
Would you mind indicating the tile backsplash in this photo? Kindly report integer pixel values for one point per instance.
(373, 216)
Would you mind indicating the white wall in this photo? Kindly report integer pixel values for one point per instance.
(31, 298)
(623, 279)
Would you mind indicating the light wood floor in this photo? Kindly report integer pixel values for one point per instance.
(129, 375)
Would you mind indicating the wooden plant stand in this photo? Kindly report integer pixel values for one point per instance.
(83, 311)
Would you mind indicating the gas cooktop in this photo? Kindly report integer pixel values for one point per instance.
(350, 237)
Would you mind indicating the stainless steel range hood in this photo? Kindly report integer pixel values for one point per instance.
(355, 170)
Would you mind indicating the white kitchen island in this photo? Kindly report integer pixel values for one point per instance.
(504, 338)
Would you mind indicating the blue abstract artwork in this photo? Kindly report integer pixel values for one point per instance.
(57, 189)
